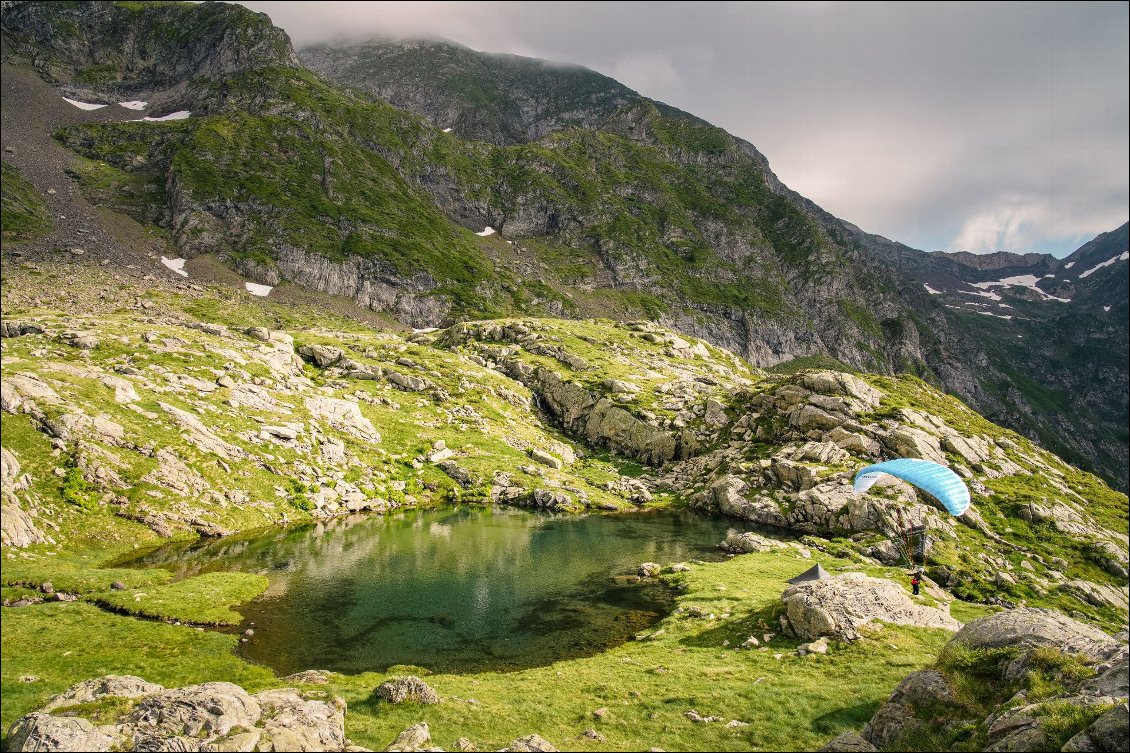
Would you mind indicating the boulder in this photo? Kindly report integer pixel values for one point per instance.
(746, 542)
(840, 605)
(897, 715)
(848, 742)
(410, 688)
(1108, 733)
(1036, 628)
(416, 737)
(294, 723)
(213, 708)
(45, 732)
(530, 744)
(344, 415)
(322, 355)
(117, 686)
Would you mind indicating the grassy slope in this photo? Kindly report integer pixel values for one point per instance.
(800, 703)
(61, 643)
(23, 213)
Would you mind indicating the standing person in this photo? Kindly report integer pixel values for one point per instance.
(915, 581)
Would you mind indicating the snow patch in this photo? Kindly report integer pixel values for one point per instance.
(488, 230)
(178, 115)
(1025, 281)
(1106, 308)
(990, 313)
(1123, 257)
(134, 104)
(1049, 277)
(425, 330)
(1069, 265)
(930, 290)
(447, 130)
(257, 289)
(83, 105)
(988, 294)
(177, 265)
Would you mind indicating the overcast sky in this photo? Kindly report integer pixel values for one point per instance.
(978, 127)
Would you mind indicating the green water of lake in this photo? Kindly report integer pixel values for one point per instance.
(455, 590)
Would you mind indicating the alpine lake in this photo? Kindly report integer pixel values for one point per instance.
(466, 589)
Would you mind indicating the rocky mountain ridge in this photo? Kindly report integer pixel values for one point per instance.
(638, 210)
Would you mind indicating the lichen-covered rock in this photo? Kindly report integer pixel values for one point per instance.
(1110, 733)
(294, 723)
(216, 716)
(213, 708)
(839, 606)
(409, 688)
(849, 742)
(344, 415)
(39, 731)
(417, 737)
(1035, 628)
(118, 686)
(530, 744)
(745, 542)
(897, 715)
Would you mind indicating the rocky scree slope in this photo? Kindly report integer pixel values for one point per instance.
(652, 212)
(184, 412)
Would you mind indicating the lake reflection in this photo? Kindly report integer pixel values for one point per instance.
(453, 590)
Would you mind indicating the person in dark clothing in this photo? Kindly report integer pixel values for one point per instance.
(915, 582)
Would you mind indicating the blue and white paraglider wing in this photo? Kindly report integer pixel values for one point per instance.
(930, 477)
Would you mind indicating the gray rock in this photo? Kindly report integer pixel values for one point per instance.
(1109, 733)
(416, 737)
(897, 716)
(1113, 683)
(840, 605)
(747, 542)
(1035, 628)
(530, 744)
(213, 708)
(322, 355)
(117, 686)
(849, 742)
(650, 570)
(463, 476)
(38, 731)
(406, 382)
(552, 499)
(543, 457)
(410, 688)
(294, 723)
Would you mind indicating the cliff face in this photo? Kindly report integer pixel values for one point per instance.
(132, 50)
(603, 203)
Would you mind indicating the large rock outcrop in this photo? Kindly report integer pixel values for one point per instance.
(841, 605)
(1009, 649)
(211, 716)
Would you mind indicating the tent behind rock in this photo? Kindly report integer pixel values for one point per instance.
(816, 572)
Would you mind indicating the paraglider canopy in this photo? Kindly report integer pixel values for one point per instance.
(816, 572)
(930, 477)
